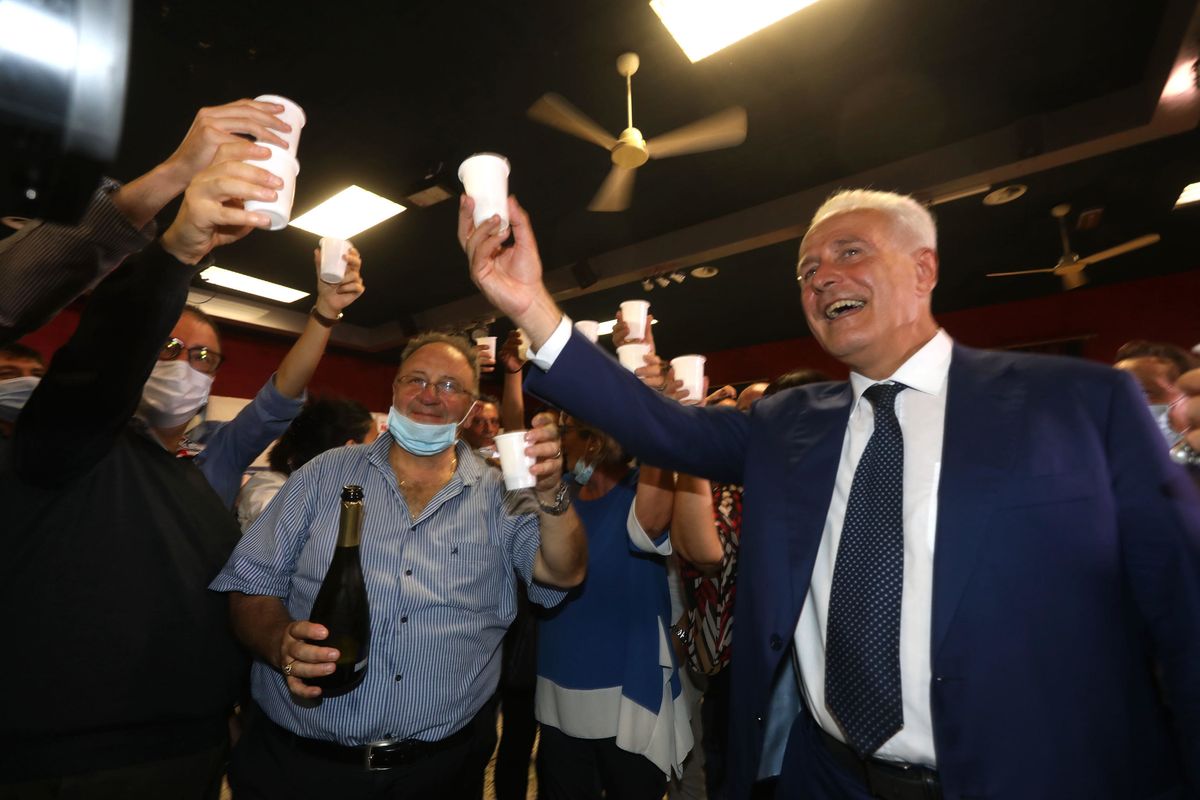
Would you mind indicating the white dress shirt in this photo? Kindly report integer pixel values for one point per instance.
(921, 410)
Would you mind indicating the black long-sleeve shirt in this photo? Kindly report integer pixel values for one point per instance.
(120, 654)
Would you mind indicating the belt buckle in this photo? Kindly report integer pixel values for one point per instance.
(369, 753)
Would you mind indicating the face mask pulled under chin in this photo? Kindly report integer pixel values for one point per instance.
(14, 394)
(421, 438)
(173, 394)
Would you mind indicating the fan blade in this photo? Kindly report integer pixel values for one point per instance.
(1019, 272)
(1073, 280)
(555, 111)
(723, 129)
(1121, 249)
(616, 192)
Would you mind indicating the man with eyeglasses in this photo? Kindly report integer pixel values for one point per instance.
(127, 669)
(443, 548)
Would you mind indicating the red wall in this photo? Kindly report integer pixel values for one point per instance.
(1165, 308)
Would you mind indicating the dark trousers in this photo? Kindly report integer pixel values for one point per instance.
(267, 765)
(190, 777)
(589, 769)
(714, 713)
(516, 743)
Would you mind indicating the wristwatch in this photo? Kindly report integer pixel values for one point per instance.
(682, 635)
(562, 501)
(328, 322)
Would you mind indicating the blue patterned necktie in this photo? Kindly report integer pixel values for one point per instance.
(862, 650)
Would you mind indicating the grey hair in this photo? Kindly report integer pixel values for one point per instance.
(459, 343)
(905, 211)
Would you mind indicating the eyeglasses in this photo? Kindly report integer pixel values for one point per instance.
(446, 387)
(201, 358)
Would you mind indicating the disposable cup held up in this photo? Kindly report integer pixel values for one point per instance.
(284, 166)
(333, 259)
(485, 178)
(633, 356)
(690, 370)
(513, 461)
(293, 115)
(633, 312)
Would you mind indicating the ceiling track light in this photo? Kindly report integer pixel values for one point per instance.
(647, 285)
(661, 281)
(678, 277)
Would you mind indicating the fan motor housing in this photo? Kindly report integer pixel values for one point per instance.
(630, 150)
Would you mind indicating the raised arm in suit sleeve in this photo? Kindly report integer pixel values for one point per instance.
(95, 380)
(588, 383)
(1159, 517)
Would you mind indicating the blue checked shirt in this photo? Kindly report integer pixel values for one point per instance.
(442, 591)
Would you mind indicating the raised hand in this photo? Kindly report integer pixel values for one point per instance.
(334, 298)
(545, 444)
(509, 355)
(220, 125)
(211, 214)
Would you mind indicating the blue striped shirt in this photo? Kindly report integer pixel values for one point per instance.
(442, 591)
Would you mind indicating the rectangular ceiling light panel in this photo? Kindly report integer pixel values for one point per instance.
(1189, 195)
(702, 27)
(219, 276)
(349, 212)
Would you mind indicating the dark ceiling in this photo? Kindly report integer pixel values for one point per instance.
(839, 89)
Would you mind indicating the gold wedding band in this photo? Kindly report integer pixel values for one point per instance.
(287, 668)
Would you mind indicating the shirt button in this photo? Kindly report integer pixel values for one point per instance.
(398, 677)
(408, 572)
(776, 642)
(404, 619)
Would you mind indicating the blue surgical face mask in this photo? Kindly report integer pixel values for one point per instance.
(14, 394)
(1161, 414)
(421, 438)
(582, 471)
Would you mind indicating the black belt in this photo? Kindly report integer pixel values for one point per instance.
(377, 755)
(890, 780)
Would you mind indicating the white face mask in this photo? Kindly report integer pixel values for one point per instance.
(14, 394)
(173, 394)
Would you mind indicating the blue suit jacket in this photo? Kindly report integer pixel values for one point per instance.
(1066, 569)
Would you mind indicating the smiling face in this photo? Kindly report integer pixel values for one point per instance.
(481, 429)
(435, 362)
(865, 286)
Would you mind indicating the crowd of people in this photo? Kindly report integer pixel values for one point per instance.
(959, 574)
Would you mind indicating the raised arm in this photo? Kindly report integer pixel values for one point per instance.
(106, 362)
(47, 265)
(562, 557)
(512, 402)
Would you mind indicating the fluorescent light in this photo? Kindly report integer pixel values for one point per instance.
(702, 27)
(349, 212)
(1189, 195)
(605, 328)
(37, 35)
(245, 283)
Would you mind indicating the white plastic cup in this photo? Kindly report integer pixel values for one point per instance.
(523, 345)
(633, 356)
(690, 370)
(589, 328)
(490, 343)
(513, 461)
(485, 177)
(333, 259)
(633, 313)
(284, 166)
(293, 115)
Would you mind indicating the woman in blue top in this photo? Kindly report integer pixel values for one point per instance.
(608, 692)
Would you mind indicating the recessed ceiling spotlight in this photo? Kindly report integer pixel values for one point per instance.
(705, 272)
(1005, 194)
(648, 284)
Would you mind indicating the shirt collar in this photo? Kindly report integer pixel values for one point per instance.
(925, 371)
(469, 470)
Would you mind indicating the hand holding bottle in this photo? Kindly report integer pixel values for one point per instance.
(299, 659)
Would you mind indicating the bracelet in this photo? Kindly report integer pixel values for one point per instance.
(1184, 454)
(682, 635)
(328, 322)
(562, 501)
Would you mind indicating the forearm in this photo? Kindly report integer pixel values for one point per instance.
(693, 524)
(539, 319)
(655, 496)
(562, 556)
(259, 622)
(512, 403)
(140, 200)
(298, 366)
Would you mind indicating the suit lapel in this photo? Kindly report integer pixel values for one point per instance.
(983, 411)
(814, 447)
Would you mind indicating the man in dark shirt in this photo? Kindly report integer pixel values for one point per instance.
(128, 669)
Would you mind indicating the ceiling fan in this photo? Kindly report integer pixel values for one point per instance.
(630, 150)
(1071, 265)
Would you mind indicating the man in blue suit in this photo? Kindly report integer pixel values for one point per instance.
(976, 572)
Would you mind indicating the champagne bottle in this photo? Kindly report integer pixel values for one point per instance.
(341, 604)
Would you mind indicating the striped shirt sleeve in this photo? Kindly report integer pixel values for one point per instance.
(46, 265)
